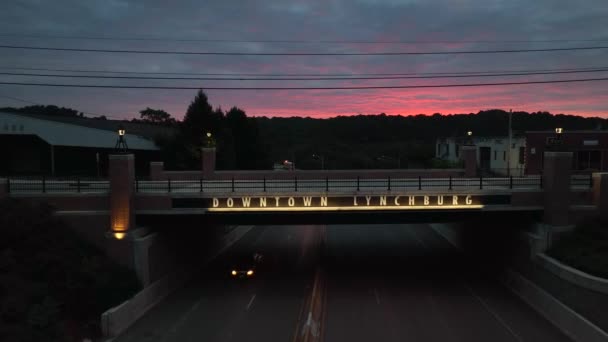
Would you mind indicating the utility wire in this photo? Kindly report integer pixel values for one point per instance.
(215, 53)
(298, 75)
(297, 41)
(304, 88)
(296, 79)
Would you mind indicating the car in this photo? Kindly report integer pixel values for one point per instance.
(246, 266)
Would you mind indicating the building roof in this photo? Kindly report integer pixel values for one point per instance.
(64, 134)
(146, 130)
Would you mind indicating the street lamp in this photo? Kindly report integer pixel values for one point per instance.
(559, 130)
(121, 143)
(318, 157)
(209, 140)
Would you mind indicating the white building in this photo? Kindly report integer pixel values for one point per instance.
(493, 153)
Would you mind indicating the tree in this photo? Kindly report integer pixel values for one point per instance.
(157, 116)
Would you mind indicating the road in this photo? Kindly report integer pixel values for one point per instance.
(379, 282)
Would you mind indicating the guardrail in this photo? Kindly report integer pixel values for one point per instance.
(327, 184)
(57, 185)
(332, 184)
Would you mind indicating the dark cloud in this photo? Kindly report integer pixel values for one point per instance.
(363, 20)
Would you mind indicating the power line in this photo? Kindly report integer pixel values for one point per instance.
(298, 41)
(299, 75)
(223, 53)
(298, 79)
(304, 88)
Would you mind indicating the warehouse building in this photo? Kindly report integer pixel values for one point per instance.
(37, 145)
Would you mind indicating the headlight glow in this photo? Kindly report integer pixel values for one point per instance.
(233, 272)
(250, 272)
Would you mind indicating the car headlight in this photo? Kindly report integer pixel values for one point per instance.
(233, 272)
(250, 272)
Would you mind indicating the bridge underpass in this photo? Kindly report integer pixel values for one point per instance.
(384, 282)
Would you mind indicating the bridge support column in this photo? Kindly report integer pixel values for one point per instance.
(556, 183)
(469, 156)
(600, 194)
(208, 160)
(3, 188)
(156, 171)
(122, 178)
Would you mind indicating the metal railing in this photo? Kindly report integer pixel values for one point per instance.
(327, 184)
(57, 185)
(336, 184)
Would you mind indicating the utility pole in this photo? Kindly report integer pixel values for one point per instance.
(509, 147)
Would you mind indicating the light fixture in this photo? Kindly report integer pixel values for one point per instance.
(233, 272)
(208, 134)
(119, 235)
(469, 133)
(121, 143)
(250, 272)
(559, 130)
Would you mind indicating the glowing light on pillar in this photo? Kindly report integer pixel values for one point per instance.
(119, 235)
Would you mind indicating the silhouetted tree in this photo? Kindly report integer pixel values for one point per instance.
(157, 116)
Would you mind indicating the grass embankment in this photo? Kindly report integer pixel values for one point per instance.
(586, 249)
(53, 286)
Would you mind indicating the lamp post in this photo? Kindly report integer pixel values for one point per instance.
(121, 143)
(318, 157)
(209, 140)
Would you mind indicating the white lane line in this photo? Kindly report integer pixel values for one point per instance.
(250, 302)
(377, 297)
(173, 329)
(492, 312)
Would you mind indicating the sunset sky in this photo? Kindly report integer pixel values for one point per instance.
(300, 25)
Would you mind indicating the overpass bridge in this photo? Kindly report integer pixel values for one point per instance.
(119, 206)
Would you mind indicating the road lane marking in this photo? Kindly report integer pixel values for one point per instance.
(250, 302)
(377, 297)
(492, 312)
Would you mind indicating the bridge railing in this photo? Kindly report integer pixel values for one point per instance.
(27, 185)
(327, 184)
(342, 185)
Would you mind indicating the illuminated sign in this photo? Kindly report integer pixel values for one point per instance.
(338, 203)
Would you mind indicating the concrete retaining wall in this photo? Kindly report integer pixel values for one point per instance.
(117, 319)
(572, 275)
(571, 323)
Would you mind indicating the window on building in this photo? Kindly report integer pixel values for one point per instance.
(21, 128)
(495, 154)
(457, 150)
(6, 127)
(522, 153)
(504, 155)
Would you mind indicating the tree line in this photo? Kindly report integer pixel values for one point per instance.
(359, 141)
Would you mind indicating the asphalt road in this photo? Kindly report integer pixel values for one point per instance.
(381, 282)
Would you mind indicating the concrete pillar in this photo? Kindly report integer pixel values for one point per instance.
(208, 160)
(469, 156)
(600, 194)
(122, 178)
(556, 184)
(157, 170)
(3, 188)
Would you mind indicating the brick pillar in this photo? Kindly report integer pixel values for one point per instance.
(3, 188)
(600, 194)
(556, 183)
(469, 156)
(122, 177)
(157, 170)
(208, 160)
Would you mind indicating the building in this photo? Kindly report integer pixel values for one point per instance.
(38, 145)
(493, 153)
(589, 148)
